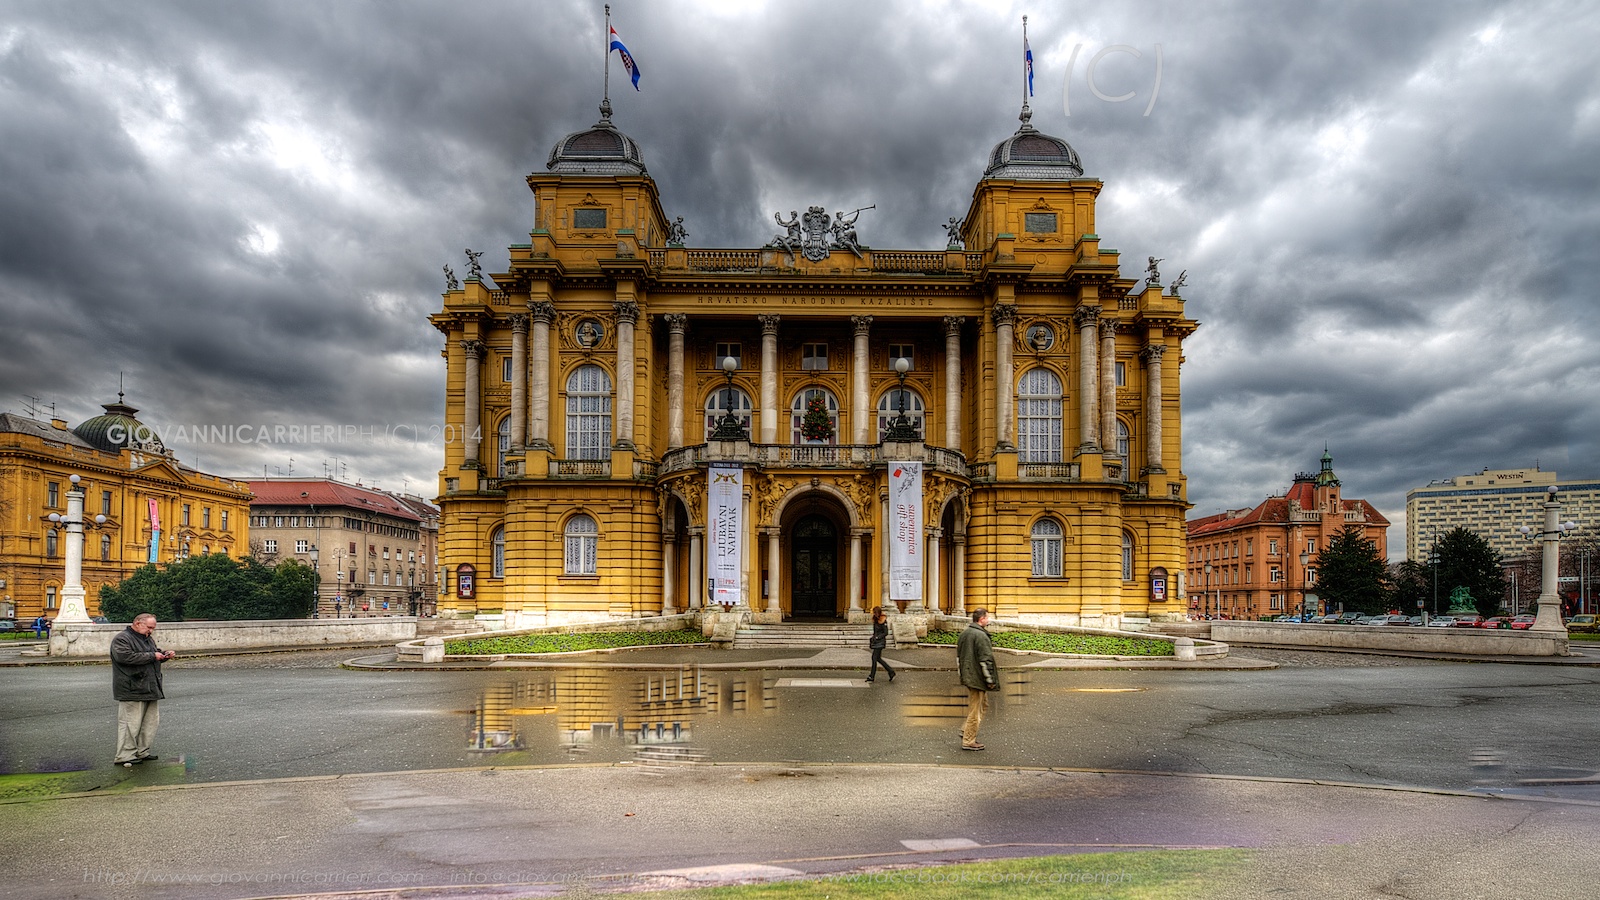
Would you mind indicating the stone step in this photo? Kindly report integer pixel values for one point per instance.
(762, 637)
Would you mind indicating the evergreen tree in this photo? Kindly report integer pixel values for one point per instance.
(145, 591)
(1351, 574)
(1412, 581)
(1466, 560)
(816, 425)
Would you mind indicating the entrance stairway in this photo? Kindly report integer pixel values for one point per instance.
(448, 627)
(763, 637)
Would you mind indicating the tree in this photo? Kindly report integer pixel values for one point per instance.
(212, 587)
(816, 425)
(292, 591)
(145, 591)
(1350, 574)
(1411, 581)
(1466, 560)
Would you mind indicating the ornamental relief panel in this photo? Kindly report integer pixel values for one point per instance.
(1057, 329)
(862, 491)
(586, 332)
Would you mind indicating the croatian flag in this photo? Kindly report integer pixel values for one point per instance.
(627, 58)
(1027, 62)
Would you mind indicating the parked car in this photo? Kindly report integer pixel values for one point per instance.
(1467, 622)
(1584, 624)
(8, 624)
(1525, 621)
(1350, 618)
(1330, 619)
(99, 620)
(1496, 622)
(1414, 621)
(1442, 621)
(1395, 619)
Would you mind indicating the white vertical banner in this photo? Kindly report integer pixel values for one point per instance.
(725, 533)
(905, 530)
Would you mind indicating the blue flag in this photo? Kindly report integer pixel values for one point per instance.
(1027, 62)
(627, 58)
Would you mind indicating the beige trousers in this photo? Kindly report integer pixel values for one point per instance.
(136, 728)
(977, 706)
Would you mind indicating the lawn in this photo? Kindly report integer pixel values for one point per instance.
(1087, 644)
(569, 643)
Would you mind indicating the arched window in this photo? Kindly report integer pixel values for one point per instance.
(889, 408)
(589, 414)
(497, 565)
(717, 407)
(1047, 548)
(1124, 440)
(502, 442)
(1039, 417)
(1127, 556)
(797, 414)
(105, 548)
(583, 545)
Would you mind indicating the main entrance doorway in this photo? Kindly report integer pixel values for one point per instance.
(813, 560)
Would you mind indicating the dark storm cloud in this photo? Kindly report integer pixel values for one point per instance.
(1388, 212)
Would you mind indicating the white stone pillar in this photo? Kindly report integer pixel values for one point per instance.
(697, 581)
(1152, 358)
(1087, 318)
(669, 559)
(519, 381)
(933, 569)
(473, 425)
(627, 315)
(73, 608)
(860, 419)
(1548, 615)
(539, 393)
(855, 571)
(1005, 317)
(958, 591)
(774, 581)
(1108, 385)
(769, 378)
(677, 324)
(952, 382)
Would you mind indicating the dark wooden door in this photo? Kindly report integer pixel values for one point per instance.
(814, 557)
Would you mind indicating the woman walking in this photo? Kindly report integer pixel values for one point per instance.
(880, 640)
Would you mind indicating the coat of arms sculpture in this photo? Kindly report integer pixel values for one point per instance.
(813, 235)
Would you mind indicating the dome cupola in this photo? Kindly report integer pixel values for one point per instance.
(598, 150)
(117, 429)
(1031, 155)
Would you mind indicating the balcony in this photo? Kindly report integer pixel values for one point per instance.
(810, 456)
(580, 468)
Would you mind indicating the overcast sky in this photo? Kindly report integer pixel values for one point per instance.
(1389, 213)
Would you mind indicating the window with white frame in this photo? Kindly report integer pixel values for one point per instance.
(1272, 547)
(582, 545)
(814, 357)
(1047, 548)
(224, 520)
(52, 543)
(498, 554)
(1124, 440)
(502, 444)
(797, 413)
(505, 369)
(385, 577)
(1122, 374)
(205, 517)
(1127, 556)
(52, 494)
(302, 546)
(50, 597)
(589, 414)
(718, 403)
(1039, 417)
(1277, 574)
(889, 410)
(270, 546)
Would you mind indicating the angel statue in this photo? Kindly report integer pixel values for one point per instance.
(676, 233)
(450, 282)
(474, 270)
(952, 232)
(844, 232)
(1155, 273)
(1178, 282)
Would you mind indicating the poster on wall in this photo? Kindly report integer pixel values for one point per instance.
(155, 529)
(905, 531)
(725, 533)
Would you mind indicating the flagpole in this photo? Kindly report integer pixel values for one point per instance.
(1024, 63)
(606, 41)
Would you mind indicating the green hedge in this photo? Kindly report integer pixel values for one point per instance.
(569, 643)
(1088, 644)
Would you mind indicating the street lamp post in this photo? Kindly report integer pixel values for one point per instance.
(1305, 578)
(729, 428)
(1205, 606)
(1549, 616)
(72, 605)
(1433, 560)
(316, 585)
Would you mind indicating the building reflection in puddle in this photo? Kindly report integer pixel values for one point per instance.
(642, 709)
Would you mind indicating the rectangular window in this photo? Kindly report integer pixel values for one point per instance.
(1277, 575)
(1122, 374)
(294, 521)
(906, 352)
(1249, 546)
(52, 494)
(386, 553)
(385, 577)
(271, 546)
(814, 357)
(1311, 545)
(726, 350)
(205, 517)
(505, 370)
(302, 546)
(185, 519)
(582, 553)
(105, 503)
(277, 521)
(588, 218)
(372, 576)
(1272, 547)
(1039, 223)
(50, 597)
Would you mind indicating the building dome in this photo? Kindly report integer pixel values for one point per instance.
(118, 429)
(598, 150)
(1032, 155)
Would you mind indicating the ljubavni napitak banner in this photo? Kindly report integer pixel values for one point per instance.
(725, 529)
(905, 533)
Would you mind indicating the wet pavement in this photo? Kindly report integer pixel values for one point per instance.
(1135, 757)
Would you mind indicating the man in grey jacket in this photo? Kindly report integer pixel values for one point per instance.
(976, 655)
(136, 685)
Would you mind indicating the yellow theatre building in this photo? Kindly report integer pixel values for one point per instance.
(637, 427)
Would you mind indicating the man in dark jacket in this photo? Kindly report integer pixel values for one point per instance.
(136, 685)
(976, 655)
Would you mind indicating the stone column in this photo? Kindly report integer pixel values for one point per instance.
(473, 426)
(519, 381)
(1152, 360)
(769, 378)
(677, 324)
(1087, 318)
(883, 551)
(697, 581)
(539, 389)
(1108, 385)
(952, 382)
(1005, 317)
(958, 598)
(933, 569)
(855, 573)
(669, 558)
(627, 315)
(774, 580)
(860, 419)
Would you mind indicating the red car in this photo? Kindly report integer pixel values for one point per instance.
(1468, 622)
(1522, 622)
(1496, 622)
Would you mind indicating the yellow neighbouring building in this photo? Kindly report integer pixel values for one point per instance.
(587, 383)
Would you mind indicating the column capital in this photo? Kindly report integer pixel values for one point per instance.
(952, 325)
(627, 312)
(1004, 314)
(1086, 316)
(519, 323)
(542, 311)
(1153, 353)
(677, 323)
(474, 349)
(862, 323)
(769, 323)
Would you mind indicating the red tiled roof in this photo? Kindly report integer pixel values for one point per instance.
(329, 494)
